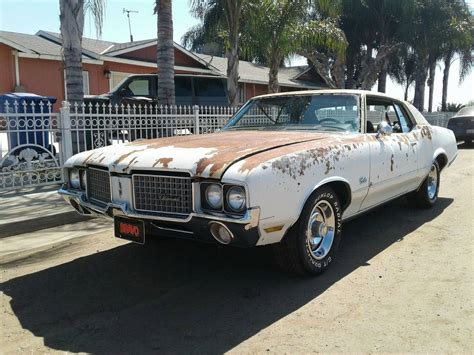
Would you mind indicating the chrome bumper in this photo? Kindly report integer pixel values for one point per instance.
(82, 206)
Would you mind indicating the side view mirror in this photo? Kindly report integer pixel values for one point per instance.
(384, 129)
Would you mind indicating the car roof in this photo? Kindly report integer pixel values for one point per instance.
(467, 111)
(329, 92)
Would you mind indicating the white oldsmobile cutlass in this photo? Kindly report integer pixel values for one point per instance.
(286, 170)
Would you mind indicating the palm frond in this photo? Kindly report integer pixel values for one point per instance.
(97, 9)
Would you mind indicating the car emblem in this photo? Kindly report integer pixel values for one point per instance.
(169, 198)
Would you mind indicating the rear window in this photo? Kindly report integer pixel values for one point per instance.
(138, 87)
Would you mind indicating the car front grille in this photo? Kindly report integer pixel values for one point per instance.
(169, 195)
(98, 185)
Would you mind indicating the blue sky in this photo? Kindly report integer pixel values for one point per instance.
(29, 16)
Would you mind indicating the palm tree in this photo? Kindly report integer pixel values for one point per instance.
(459, 44)
(165, 52)
(269, 31)
(213, 12)
(402, 68)
(374, 30)
(72, 26)
(281, 28)
(428, 33)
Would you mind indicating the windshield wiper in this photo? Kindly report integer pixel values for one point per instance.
(264, 112)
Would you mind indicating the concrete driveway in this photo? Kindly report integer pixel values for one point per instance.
(403, 281)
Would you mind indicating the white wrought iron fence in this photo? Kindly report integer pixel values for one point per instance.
(30, 153)
(35, 141)
(438, 118)
(97, 126)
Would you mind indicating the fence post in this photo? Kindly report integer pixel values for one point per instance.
(66, 134)
(196, 119)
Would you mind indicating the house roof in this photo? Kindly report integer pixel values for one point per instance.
(89, 44)
(33, 44)
(45, 44)
(258, 74)
(95, 47)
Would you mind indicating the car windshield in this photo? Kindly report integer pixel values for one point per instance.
(319, 112)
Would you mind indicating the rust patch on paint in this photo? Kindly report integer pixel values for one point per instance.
(426, 132)
(163, 162)
(294, 160)
(225, 148)
(88, 157)
(125, 156)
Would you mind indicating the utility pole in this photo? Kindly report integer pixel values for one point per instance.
(129, 26)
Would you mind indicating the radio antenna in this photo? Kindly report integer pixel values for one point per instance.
(129, 25)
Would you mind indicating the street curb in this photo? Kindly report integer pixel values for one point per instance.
(39, 223)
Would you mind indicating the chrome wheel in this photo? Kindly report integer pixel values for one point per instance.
(432, 184)
(320, 229)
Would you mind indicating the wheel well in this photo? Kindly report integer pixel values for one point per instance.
(343, 192)
(442, 161)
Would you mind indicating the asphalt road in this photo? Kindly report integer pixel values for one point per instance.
(403, 281)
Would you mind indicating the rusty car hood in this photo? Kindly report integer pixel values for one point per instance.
(207, 155)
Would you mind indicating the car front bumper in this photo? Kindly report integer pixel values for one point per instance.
(196, 227)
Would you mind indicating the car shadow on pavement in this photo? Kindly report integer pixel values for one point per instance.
(174, 296)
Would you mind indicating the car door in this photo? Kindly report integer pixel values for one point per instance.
(393, 156)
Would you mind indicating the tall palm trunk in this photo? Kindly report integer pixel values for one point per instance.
(382, 80)
(273, 85)
(165, 52)
(447, 66)
(233, 10)
(72, 25)
(405, 96)
(420, 83)
(431, 81)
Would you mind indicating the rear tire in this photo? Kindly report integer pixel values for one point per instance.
(427, 195)
(309, 246)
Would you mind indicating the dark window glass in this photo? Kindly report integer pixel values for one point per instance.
(209, 87)
(183, 87)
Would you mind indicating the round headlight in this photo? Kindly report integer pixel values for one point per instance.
(236, 198)
(82, 174)
(74, 179)
(214, 196)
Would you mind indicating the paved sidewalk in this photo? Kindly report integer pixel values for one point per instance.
(34, 209)
(23, 246)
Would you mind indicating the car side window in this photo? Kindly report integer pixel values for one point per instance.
(209, 87)
(404, 120)
(139, 87)
(382, 110)
(183, 87)
(378, 112)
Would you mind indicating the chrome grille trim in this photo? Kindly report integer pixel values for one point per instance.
(98, 185)
(162, 194)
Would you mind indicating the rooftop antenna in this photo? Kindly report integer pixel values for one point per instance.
(129, 26)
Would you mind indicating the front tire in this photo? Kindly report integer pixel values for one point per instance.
(309, 247)
(427, 194)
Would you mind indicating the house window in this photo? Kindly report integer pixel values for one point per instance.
(241, 93)
(85, 82)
